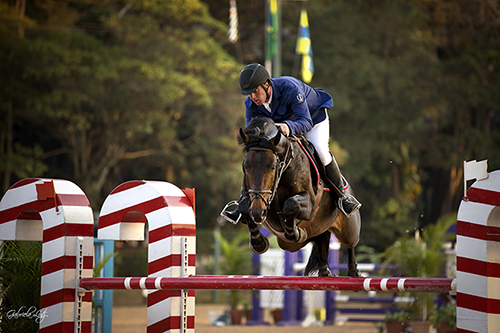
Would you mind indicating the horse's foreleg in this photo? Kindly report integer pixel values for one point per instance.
(296, 207)
(258, 242)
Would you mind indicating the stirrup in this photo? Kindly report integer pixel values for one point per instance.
(356, 203)
(227, 218)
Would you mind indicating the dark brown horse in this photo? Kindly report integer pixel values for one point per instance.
(280, 194)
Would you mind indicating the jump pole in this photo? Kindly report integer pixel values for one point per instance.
(252, 282)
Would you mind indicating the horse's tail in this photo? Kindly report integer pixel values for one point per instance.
(318, 261)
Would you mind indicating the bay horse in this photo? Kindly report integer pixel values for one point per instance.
(279, 193)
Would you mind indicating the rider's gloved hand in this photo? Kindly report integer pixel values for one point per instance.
(284, 128)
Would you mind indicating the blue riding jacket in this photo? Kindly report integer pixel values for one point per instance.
(294, 103)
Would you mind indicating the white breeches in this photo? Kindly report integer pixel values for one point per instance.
(319, 136)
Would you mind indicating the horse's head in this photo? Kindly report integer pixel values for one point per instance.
(266, 149)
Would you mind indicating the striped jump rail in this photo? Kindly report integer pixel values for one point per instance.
(254, 282)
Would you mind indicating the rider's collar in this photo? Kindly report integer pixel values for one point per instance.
(267, 104)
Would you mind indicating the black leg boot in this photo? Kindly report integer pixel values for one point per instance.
(347, 203)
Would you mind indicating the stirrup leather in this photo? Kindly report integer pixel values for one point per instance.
(353, 199)
(227, 218)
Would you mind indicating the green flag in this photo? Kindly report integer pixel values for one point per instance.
(272, 29)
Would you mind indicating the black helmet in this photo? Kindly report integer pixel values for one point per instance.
(251, 77)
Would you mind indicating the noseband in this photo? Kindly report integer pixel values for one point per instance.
(282, 166)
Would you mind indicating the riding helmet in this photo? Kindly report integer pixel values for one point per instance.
(251, 77)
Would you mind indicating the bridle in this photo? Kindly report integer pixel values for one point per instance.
(282, 166)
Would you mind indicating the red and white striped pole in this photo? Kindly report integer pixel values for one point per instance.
(478, 257)
(58, 213)
(171, 243)
(254, 282)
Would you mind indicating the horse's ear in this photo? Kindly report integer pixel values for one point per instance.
(242, 137)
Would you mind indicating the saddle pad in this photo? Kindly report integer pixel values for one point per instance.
(317, 167)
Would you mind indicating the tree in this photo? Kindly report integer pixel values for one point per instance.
(375, 62)
(129, 90)
(463, 122)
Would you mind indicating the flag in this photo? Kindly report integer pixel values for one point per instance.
(475, 170)
(304, 48)
(46, 191)
(232, 33)
(272, 29)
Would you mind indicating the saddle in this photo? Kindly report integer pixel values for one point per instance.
(318, 172)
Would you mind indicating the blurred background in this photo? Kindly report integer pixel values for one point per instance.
(101, 92)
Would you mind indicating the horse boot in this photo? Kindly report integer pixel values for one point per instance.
(347, 203)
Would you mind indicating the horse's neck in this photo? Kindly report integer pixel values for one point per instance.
(299, 166)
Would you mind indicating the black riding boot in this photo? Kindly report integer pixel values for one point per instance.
(231, 216)
(347, 203)
(234, 215)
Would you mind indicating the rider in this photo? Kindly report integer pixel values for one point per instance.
(296, 109)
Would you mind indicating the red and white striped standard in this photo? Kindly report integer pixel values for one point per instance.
(58, 213)
(478, 257)
(171, 243)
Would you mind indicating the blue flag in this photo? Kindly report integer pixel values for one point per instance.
(304, 48)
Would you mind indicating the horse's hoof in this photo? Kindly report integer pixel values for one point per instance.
(325, 272)
(293, 237)
(302, 235)
(299, 235)
(353, 273)
(260, 246)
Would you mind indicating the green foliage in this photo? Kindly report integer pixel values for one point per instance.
(446, 313)
(367, 254)
(237, 260)
(100, 265)
(421, 257)
(20, 281)
(117, 92)
(397, 316)
(131, 262)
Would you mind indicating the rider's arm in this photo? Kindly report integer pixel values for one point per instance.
(298, 105)
(250, 112)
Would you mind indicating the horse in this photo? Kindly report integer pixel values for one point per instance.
(279, 193)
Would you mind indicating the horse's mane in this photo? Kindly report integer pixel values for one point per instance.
(260, 132)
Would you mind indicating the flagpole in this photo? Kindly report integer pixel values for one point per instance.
(273, 57)
(466, 198)
(269, 62)
(277, 56)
